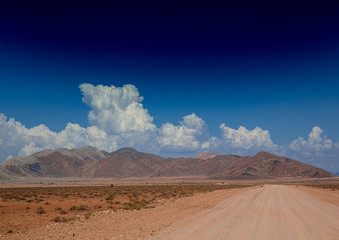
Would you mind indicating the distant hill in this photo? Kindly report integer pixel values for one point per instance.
(89, 162)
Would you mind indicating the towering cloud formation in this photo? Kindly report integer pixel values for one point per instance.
(119, 119)
(116, 109)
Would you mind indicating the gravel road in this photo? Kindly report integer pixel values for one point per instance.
(271, 212)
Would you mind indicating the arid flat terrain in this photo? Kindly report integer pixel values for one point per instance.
(257, 212)
(24, 208)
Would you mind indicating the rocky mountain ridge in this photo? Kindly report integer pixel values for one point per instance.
(89, 162)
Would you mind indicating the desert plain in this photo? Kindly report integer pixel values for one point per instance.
(170, 208)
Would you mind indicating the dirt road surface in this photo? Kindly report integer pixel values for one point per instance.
(268, 212)
(273, 212)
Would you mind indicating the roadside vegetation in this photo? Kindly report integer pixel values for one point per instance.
(332, 186)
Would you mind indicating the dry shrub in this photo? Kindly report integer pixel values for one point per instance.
(40, 210)
(79, 208)
(62, 219)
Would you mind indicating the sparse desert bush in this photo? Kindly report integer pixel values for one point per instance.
(79, 208)
(40, 210)
(59, 219)
(62, 219)
(63, 211)
(111, 196)
(83, 208)
(333, 186)
(18, 198)
(73, 208)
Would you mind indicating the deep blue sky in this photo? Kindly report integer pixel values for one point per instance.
(275, 66)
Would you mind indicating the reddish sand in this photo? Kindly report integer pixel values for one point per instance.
(268, 212)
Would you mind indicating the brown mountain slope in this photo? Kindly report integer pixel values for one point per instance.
(89, 162)
(261, 166)
(126, 162)
(266, 165)
(179, 167)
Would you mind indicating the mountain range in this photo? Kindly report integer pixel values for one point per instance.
(89, 162)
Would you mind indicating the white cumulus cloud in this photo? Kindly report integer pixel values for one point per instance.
(191, 134)
(247, 139)
(74, 136)
(116, 109)
(315, 142)
(317, 150)
(17, 140)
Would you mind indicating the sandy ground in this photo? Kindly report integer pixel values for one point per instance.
(268, 212)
